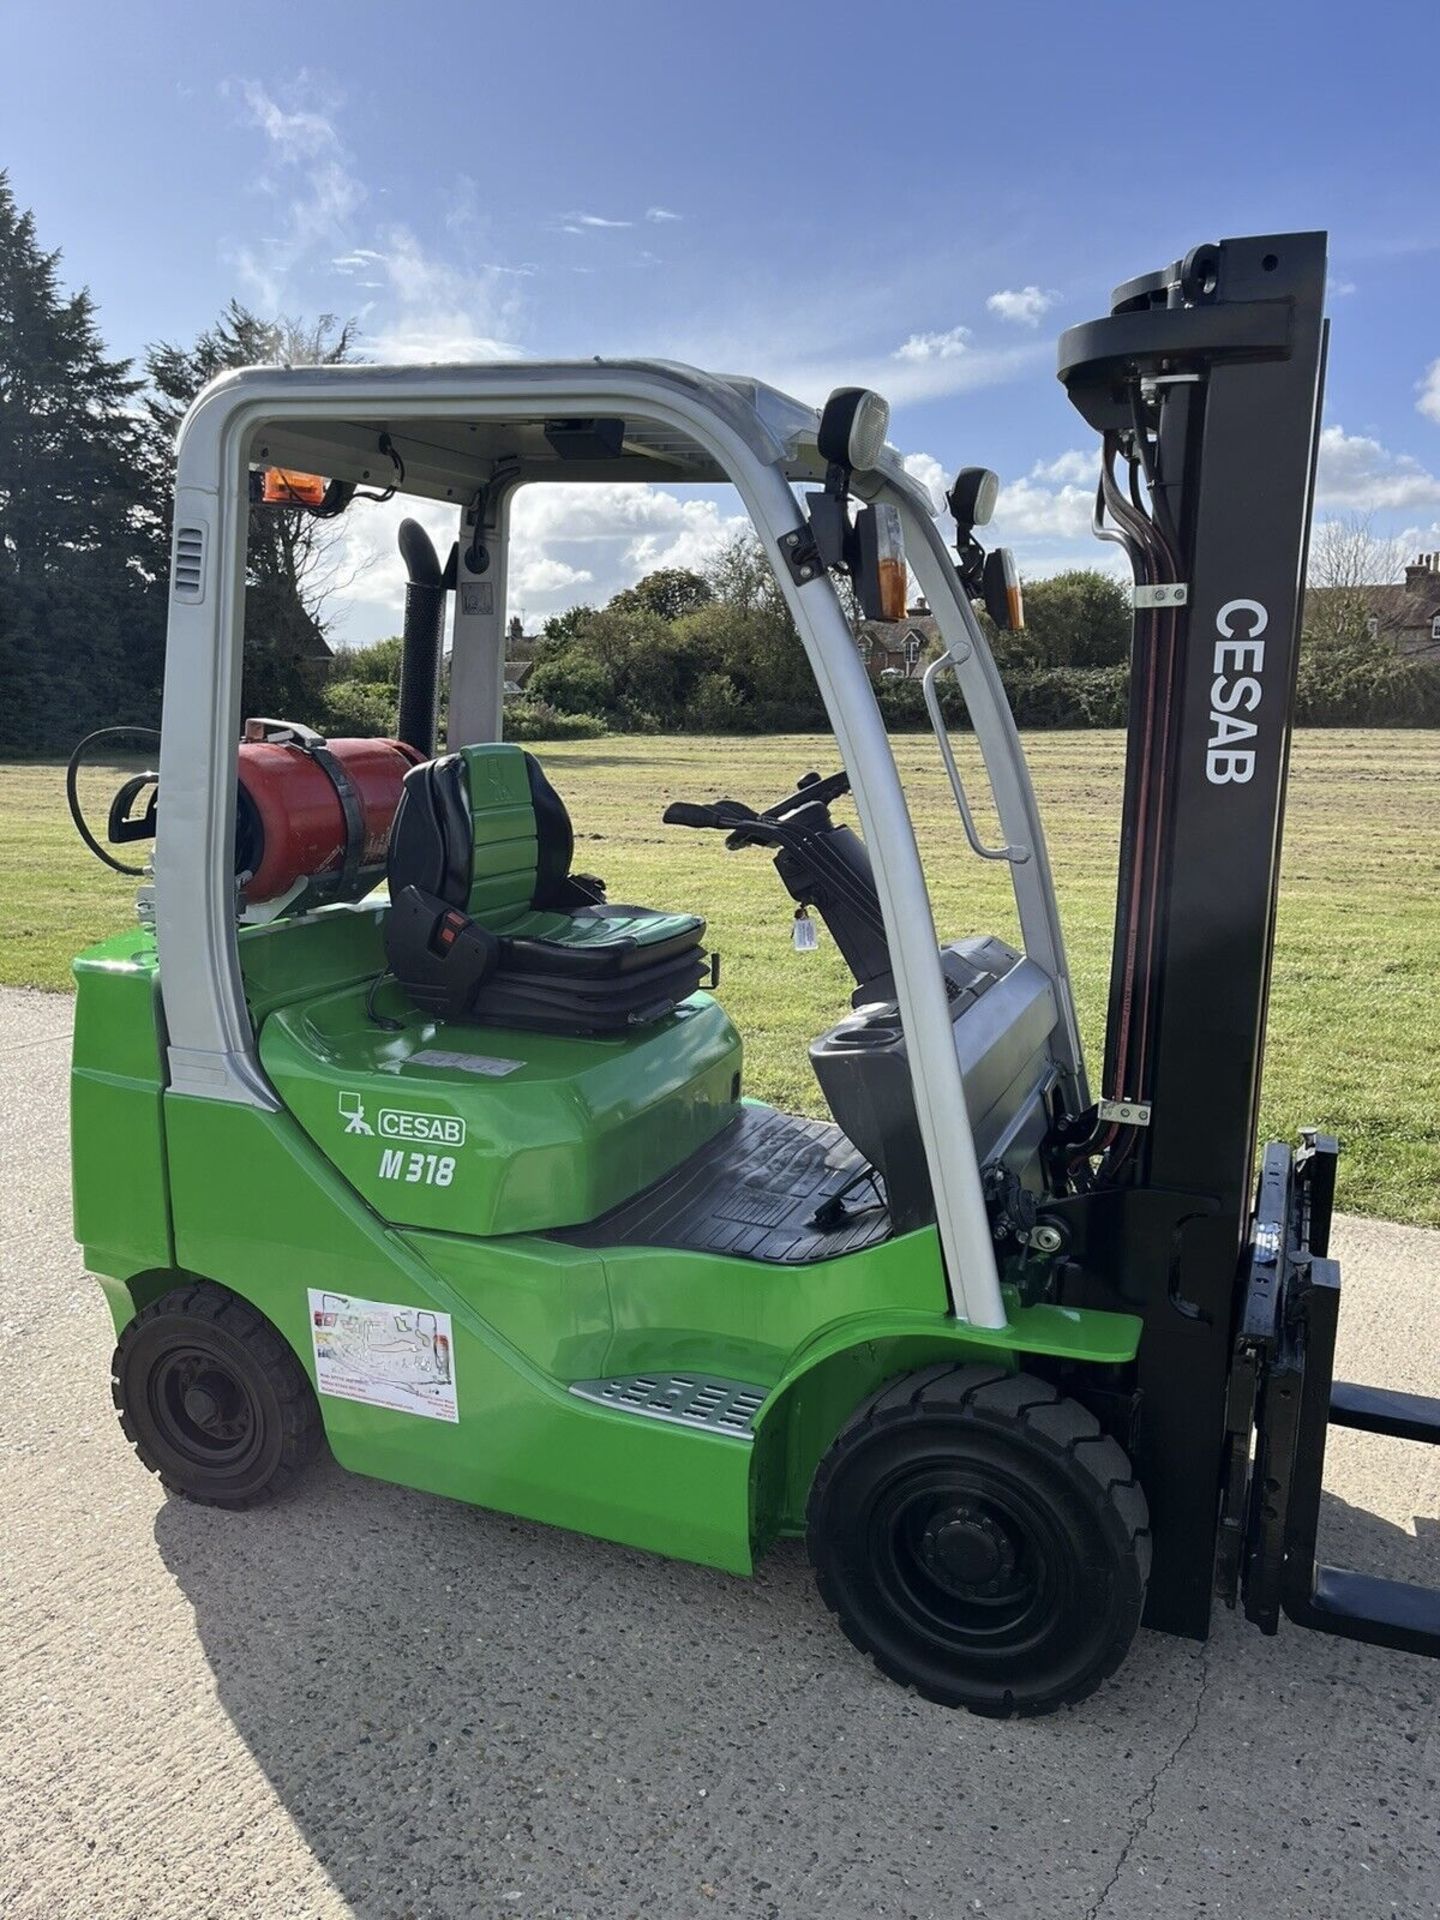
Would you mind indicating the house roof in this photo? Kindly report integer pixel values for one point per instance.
(1405, 611)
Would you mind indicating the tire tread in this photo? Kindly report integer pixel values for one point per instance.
(991, 1396)
(302, 1427)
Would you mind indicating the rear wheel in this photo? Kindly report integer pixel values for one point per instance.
(213, 1399)
(982, 1540)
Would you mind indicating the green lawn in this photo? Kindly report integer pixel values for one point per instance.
(1355, 1012)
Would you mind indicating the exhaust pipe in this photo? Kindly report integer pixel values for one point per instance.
(423, 637)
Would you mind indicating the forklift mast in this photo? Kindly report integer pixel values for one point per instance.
(1205, 384)
(1206, 380)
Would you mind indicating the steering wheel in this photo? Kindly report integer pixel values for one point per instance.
(745, 826)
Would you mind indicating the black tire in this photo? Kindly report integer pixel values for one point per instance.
(213, 1399)
(982, 1540)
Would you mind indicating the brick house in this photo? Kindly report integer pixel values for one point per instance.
(519, 655)
(902, 650)
(1407, 614)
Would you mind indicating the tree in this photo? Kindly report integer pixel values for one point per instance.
(79, 629)
(671, 593)
(1347, 560)
(290, 555)
(1077, 619)
(739, 574)
(561, 628)
(362, 692)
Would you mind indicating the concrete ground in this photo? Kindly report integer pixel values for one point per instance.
(369, 1702)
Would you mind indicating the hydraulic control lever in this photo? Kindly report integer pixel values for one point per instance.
(685, 813)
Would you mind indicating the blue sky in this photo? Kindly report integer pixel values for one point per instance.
(913, 196)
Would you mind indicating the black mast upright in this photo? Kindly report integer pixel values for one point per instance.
(1205, 382)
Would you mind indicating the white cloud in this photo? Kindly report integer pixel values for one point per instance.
(621, 529)
(1030, 512)
(428, 309)
(1079, 468)
(1357, 473)
(299, 133)
(567, 543)
(925, 468)
(578, 220)
(1023, 306)
(1339, 288)
(1429, 401)
(902, 381)
(935, 346)
(428, 340)
(662, 213)
(1414, 540)
(438, 311)
(307, 173)
(537, 578)
(367, 560)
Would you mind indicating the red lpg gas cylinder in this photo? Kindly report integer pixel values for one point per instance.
(290, 821)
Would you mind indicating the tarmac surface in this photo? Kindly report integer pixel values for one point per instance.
(366, 1701)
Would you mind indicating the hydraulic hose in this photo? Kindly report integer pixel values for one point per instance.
(78, 756)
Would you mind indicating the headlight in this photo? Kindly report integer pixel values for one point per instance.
(853, 427)
(972, 498)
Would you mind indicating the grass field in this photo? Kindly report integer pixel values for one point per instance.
(1355, 1011)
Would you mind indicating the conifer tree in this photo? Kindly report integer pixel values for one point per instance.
(79, 622)
(290, 564)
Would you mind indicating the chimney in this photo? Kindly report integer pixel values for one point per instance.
(1423, 574)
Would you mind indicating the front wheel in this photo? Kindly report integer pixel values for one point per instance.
(213, 1399)
(982, 1540)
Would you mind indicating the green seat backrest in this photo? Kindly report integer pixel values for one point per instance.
(506, 849)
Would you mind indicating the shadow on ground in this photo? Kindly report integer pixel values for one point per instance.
(468, 1715)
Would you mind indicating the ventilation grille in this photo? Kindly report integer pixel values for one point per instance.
(189, 581)
(689, 1399)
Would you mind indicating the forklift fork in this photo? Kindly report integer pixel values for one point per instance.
(1282, 1392)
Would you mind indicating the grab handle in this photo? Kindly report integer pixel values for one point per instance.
(1016, 855)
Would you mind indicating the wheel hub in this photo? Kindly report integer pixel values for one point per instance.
(202, 1406)
(968, 1552)
(208, 1407)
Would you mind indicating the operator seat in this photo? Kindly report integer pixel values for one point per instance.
(487, 923)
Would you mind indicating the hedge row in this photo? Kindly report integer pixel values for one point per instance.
(1332, 692)
(1363, 687)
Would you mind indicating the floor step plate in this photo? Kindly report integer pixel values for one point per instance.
(687, 1399)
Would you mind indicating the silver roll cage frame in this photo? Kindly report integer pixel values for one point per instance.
(682, 425)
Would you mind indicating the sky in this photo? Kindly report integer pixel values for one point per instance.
(917, 197)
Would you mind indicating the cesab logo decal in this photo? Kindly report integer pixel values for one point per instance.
(435, 1129)
(402, 1123)
(1235, 692)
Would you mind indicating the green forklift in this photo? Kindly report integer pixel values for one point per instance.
(394, 1133)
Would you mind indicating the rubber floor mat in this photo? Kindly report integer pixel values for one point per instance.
(752, 1191)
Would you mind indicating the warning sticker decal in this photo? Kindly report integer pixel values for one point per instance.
(383, 1354)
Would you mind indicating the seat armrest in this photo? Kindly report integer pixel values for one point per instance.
(439, 955)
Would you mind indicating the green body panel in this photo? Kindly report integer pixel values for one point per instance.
(522, 1443)
(549, 1300)
(829, 1375)
(557, 1132)
(745, 1319)
(274, 1204)
(117, 1135)
(288, 960)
